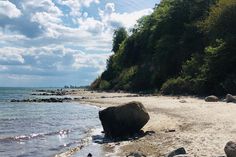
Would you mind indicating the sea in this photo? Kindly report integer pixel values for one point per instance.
(46, 129)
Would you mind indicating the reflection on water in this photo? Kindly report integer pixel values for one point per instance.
(41, 129)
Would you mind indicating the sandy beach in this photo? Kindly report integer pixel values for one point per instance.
(202, 128)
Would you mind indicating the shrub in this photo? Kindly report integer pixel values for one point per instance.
(96, 83)
(104, 85)
(183, 86)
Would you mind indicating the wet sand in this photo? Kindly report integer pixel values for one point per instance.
(202, 128)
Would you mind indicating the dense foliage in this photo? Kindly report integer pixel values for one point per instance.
(183, 47)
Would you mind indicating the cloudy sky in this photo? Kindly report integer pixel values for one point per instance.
(52, 43)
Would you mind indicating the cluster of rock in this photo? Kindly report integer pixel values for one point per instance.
(180, 152)
(47, 100)
(228, 98)
(230, 151)
(58, 92)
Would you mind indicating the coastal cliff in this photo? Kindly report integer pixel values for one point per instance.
(183, 47)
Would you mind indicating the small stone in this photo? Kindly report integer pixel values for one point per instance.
(170, 130)
(230, 98)
(178, 151)
(182, 101)
(211, 98)
(136, 154)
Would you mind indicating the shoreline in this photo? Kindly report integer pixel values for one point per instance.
(202, 128)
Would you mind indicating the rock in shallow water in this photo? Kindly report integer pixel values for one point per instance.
(124, 120)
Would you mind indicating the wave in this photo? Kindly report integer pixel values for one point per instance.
(33, 136)
(80, 144)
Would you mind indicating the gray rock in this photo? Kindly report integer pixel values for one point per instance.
(230, 149)
(136, 154)
(230, 98)
(179, 151)
(47, 100)
(211, 98)
(76, 99)
(183, 101)
(124, 120)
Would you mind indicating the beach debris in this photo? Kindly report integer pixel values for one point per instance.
(170, 130)
(136, 154)
(150, 133)
(211, 98)
(230, 98)
(124, 120)
(230, 149)
(89, 155)
(178, 151)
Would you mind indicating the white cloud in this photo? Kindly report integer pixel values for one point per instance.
(33, 6)
(75, 5)
(110, 8)
(91, 60)
(114, 19)
(47, 22)
(88, 2)
(128, 20)
(22, 78)
(91, 25)
(9, 55)
(8, 9)
(44, 41)
(52, 60)
(3, 68)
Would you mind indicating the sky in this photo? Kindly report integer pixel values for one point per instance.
(52, 43)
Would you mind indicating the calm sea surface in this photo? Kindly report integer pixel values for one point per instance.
(43, 129)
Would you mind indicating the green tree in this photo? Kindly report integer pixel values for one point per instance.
(184, 46)
(118, 37)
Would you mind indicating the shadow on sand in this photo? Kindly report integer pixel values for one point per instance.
(102, 139)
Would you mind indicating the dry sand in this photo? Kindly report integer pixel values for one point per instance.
(202, 128)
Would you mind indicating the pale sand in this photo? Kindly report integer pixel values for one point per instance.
(202, 128)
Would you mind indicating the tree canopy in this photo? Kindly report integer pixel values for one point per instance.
(183, 47)
(118, 37)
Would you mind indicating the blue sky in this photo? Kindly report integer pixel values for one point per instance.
(52, 43)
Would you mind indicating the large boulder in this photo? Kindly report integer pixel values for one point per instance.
(124, 120)
(230, 149)
(230, 98)
(211, 98)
